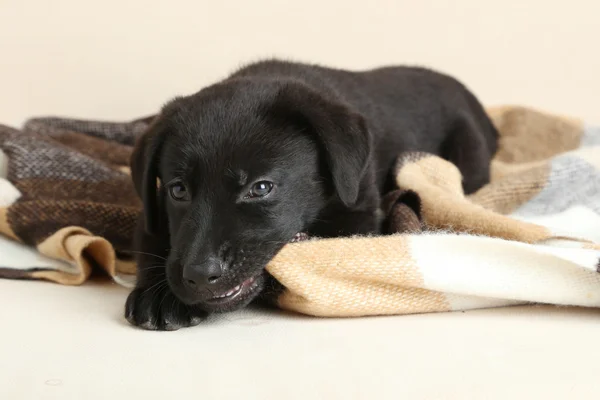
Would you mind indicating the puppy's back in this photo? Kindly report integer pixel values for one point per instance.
(407, 108)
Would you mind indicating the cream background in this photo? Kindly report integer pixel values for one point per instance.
(122, 59)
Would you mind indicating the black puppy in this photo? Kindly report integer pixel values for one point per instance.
(231, 174)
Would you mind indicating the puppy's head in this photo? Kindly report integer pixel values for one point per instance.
(243, 166)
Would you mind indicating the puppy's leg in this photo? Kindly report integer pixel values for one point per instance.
(152, 305)
(467, 147)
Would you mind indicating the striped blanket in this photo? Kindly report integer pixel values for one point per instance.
(67, 209)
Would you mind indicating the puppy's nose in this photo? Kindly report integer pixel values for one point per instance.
(199, 275)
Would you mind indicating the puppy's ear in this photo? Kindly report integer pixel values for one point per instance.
(144, 171)
(342, 133)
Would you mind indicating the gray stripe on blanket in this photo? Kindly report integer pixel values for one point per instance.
(573, 181)
(591, 136)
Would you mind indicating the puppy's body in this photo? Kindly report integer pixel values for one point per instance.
(405, 108)
(318, 145)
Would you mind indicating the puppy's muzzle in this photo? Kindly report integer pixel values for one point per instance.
(203, 276)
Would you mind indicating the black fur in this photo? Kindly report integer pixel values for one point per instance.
(328, 140)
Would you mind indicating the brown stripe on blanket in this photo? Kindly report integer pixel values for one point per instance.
(14, 273)
(112, 153)
(120, 132)
(338, 278)
(64, 278)
(33, 156)
(529, 135)
(117, 192)
(34, 221)
(402, 209)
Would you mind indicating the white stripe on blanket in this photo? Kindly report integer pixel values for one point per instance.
(459, 302)
(8, 193)
(18, 256)
(495, 268)
(576, 222)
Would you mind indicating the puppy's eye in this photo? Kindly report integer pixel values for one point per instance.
(178, 191)
(260, 189)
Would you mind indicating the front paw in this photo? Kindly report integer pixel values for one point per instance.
(160, 310)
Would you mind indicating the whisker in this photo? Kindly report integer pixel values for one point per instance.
(154, 267)
(157, 291)
(156, 284)
(144, 253)
(276, 242)
(161, 301)
(174, 304)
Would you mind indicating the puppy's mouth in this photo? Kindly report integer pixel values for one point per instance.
(221, 299)
(242, 294)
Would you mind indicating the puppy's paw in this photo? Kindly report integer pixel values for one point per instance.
(160, 311)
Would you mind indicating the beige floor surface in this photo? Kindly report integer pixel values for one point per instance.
(72, 343)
